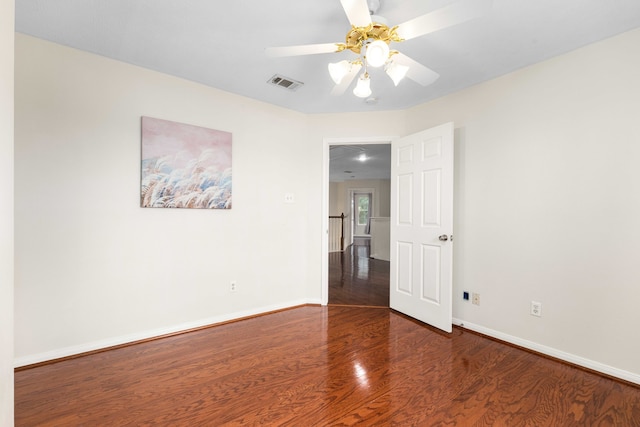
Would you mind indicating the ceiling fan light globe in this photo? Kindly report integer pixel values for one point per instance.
(363, 87)
(337, 70)
(377, 53)
(397, 72)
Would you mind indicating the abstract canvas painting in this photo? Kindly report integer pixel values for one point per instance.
(184, 166)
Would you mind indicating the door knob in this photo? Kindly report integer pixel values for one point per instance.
(443, 238)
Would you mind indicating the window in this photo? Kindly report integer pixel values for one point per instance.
(362, 202)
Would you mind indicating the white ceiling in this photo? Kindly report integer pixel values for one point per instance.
(221, 43)
(345, 165)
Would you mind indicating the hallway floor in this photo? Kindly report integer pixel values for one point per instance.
(356, 279)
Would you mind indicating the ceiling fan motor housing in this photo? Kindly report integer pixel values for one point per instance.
(357, 36)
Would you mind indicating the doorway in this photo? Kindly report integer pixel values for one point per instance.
(357, 185)
(422, 231)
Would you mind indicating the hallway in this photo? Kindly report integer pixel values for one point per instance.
(356, 279)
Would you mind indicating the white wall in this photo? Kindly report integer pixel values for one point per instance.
(92, 267)
(6, 212)
(548, 203)
(336, 206)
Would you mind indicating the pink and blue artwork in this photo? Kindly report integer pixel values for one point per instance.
(184, 166)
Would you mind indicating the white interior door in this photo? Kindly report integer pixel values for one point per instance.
(422, 225)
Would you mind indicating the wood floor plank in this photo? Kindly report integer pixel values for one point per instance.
(356, 279)
(321, 366)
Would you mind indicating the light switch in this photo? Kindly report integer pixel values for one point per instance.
(289, 198)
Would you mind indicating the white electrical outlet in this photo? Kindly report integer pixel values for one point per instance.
(289, 198)
(536, 308)
(475, 298)
(233, 286)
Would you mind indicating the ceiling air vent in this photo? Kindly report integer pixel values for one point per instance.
(285, 82)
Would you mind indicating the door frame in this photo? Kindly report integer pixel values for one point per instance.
(326, 144)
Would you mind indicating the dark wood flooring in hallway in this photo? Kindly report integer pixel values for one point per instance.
(356, 279)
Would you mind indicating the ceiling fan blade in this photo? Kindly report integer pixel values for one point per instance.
(417, 72)
(306, 49)
(357, 12)
(461, 11)
(339, 89)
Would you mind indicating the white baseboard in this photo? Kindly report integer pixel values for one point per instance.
(125, 339)
(549, 351)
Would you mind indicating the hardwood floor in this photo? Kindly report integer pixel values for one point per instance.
(356, 279)
(321, 366)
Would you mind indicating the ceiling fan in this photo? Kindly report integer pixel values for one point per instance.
(370, 38)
